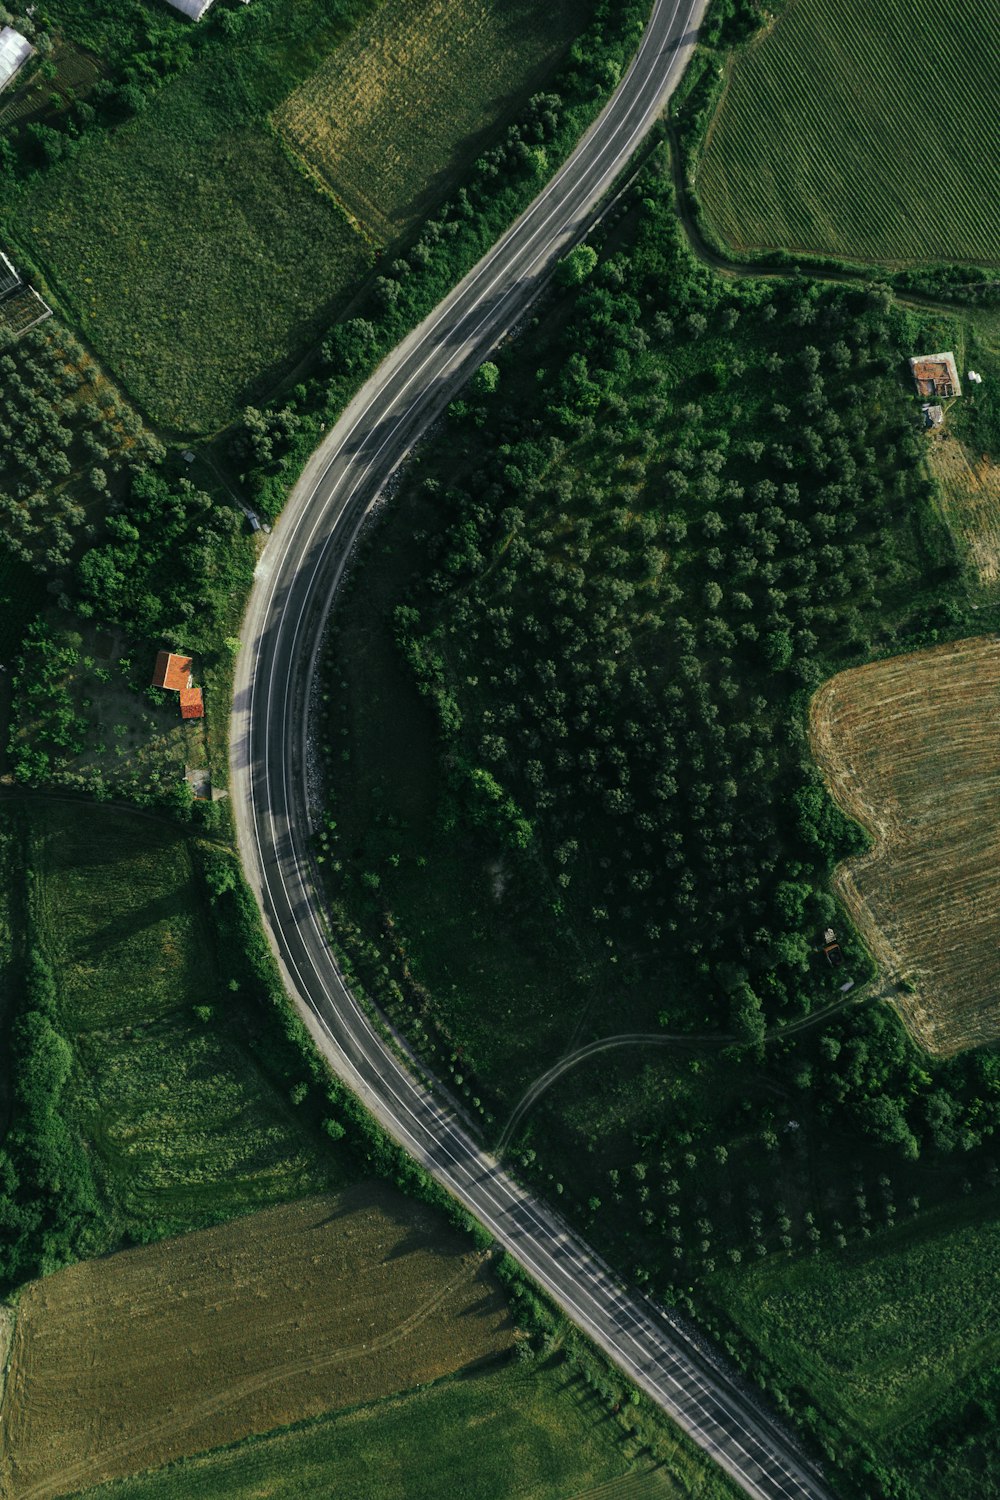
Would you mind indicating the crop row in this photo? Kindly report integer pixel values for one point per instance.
(859, 130)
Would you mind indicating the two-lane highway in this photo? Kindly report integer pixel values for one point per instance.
(297, 579)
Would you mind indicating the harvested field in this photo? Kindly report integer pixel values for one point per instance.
(197, 1342)
(864, 129)
(535, 1433)
(970, 499)
(911, 748)
(403, 107)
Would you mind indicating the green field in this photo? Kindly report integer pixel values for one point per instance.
(434, 78)
(198, 256)
(181, 1122)
(185, 245)
(533, 1435)
(863, 130)
(885, 1337)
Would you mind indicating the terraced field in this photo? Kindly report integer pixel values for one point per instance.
(868, 129)
(910, 748)
(388, 119)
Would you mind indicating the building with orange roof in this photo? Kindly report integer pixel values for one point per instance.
(936, 374)
(172, 672)
(192, 703)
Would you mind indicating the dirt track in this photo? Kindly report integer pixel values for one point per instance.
(137, 1359)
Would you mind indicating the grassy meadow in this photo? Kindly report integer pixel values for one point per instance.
(884, 1337)
(183, 1125)
(194, 1343)
(861, 130)
(908, 748)
(185, 245)
(402, 109)
(530, 1434)
(196, 252)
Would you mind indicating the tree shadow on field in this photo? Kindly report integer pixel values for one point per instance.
(172, 908)
(504, 109)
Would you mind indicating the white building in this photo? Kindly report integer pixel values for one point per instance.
(193, 8)
(15, 50)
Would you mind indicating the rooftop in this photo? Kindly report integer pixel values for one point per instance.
(192, 705)
(172, 672)
(936, 374)
(195, 9)
(15, 50)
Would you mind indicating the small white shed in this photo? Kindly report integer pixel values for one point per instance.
(15, 50)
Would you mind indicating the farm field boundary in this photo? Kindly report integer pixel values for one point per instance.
(173, 1348)
(856, 130)
(909, 748)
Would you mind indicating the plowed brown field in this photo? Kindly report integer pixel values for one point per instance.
(132, 1361)
(911, 748)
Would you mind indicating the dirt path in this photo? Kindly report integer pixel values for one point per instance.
(658, 1039)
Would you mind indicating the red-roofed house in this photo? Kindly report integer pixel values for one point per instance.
(192, 704)
(172, 672)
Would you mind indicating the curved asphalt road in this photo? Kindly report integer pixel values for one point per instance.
(296, 581)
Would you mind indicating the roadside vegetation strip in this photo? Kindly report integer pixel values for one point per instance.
(863, 130)
(405, 105)
(200, 1341)
(909, 748)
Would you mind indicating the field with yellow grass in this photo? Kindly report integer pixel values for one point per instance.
(910, 747)
(410, 99)
(969, 487)
(145, 1356)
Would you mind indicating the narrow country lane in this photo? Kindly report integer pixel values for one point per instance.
(296, 583)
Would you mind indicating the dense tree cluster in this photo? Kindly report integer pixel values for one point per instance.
(47, 1194)
(679, 531)
(66, 438)
(163, 563)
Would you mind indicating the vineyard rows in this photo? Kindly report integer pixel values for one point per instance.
(867, 129)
